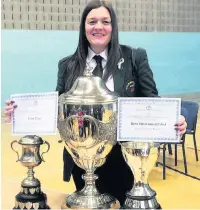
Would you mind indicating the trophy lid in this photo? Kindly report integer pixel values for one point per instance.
(88, 90)
(31, 139)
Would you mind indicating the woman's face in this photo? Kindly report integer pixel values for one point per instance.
(98, 29)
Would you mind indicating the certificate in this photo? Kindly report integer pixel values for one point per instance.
(148, 119)
(36, 113)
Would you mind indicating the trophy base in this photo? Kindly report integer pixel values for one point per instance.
(31, 201)
(101, 201)
(140, 202)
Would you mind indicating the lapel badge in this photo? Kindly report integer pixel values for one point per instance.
(130, 86)
(120, 63)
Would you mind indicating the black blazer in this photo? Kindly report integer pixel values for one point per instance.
(133, 78)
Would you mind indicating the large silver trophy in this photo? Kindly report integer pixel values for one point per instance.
(87, 123)
(31, 196)
(141, 158)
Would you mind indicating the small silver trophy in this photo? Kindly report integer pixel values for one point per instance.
(141, 158)
(31, 196)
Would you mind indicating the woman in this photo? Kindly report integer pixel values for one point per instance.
(99, 36)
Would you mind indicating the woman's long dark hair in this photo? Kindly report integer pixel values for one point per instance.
(81, 52)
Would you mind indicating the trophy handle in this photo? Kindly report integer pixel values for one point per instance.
(15, 141)
(45, 142)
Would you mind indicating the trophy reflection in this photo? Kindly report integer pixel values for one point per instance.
(141, 158)
(31, 196)
(87, 124)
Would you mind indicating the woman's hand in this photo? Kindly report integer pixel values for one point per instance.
(10, 106)
(181, 125)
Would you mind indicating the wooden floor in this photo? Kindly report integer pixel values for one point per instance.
(176, 192)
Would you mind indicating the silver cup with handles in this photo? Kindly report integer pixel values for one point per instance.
(31, 196)
(87, 123)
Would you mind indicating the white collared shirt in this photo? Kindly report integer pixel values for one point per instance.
(92, 64)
